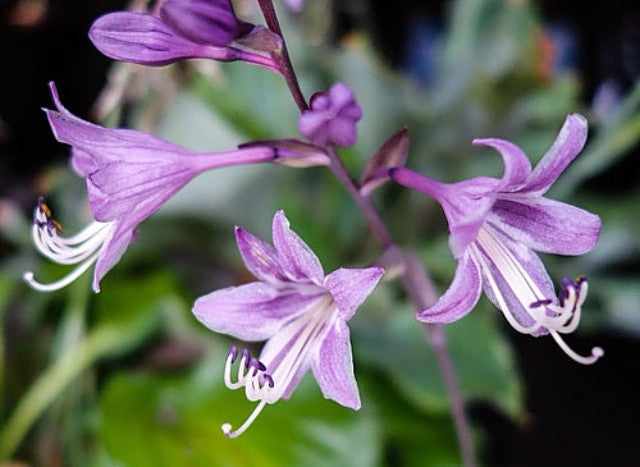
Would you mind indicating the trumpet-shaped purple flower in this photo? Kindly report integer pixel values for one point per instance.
(129, 175)
(495, 225)
(332, 117)
(184, 29)
(301, 313)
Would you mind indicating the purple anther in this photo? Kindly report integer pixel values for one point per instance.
(254, 366)
(543, 302)
(581, 279)
(269, 380)
(246, 355)
(233, 353)
(261, 366)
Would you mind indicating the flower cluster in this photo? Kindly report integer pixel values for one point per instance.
(496, 225)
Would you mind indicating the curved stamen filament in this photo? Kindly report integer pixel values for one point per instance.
(283, 364)
(83, 248)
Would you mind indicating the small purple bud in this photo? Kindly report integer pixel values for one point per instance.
(203, 21)
(332, 117)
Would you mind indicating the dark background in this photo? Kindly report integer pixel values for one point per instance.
(591, 418)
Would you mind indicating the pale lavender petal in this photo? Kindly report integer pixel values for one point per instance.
(111, 252)
(333, 367)
(511, 284)
(460, 298)
(350, 287)
(565, 148)
(516, 164)
(204, 21)
(298, 261)
(251, 312)
(144, 39)
(547, 225)
(466, 204)
(259, 257)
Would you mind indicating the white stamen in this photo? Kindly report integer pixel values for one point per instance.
(557, 318)
(82, 248)
(269, 385)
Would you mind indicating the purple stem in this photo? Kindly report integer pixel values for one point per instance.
(415, 279)
(283, 58)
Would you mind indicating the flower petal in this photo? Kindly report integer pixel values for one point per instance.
(333, 367)
(144, 39)
(513, 279)
(251, 312)
(460, 298)
(516, 164)
(350, 287)
(565, 148)
(547, 225)
(111, 252)
(259, 257)
(204, 21)
(298, 261)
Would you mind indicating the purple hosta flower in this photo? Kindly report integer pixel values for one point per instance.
(332, 117)
(495, 226)
(184, 29)
(301, 313)
(129, 175)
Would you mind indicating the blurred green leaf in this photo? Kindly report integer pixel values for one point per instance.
(485, 366)
(175, 420)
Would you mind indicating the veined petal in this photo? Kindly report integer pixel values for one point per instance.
(517, 166)
(350, 287)
(565, 148)
(514, 278)
(251, 312)
(547, 225)
(333, 367)
(466, 204)
(296, 258)
(142, 38)
(111, 253)
(259, 257)
(204, 21)
(460, 298)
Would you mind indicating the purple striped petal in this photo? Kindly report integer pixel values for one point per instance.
(203, 21)
(565, 148)
(111, 252)
(147, 40)
(547, 225)
(350, 287)
(515, 271)
(333, 367)
(516, 164)
(251, 312)
(460, 298)
(259, 257)
(297, 260)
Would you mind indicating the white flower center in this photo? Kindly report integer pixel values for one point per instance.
(562, 318)
(82, 248)
(267, 379)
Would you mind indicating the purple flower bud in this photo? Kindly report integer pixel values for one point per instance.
(332, 117)
(204, 21)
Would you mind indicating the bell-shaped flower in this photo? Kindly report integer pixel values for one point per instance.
(301, 313)
(129, 175)
(185, 29)
(332, 117)
(496, 224)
